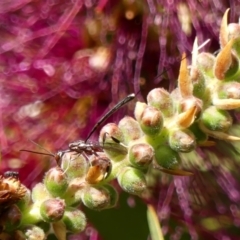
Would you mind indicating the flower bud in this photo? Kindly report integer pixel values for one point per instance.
(99, 170)
(74, 191)
(39, 192)
(52, 210)
(216, 120)
(198, 133)
(132, 181)
(151, 121)
(96, 198)
(74, 165)
(11, 218)
(182, 140)
(74, 220)
(34, 232)
(141, 155)
(113, 194)
(161, 99)
(229, 90)
(25, 201)
(111, 137)
(167, 157)
(139, 108)
(56, 182)
(130, 129)
(205, 62)
(233, 30)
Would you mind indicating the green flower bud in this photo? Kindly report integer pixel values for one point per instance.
(112, 138)
(161, 99)
(10, 218)
(130, 129)
(198, 133)
(216, 120)
(229, 90)
(74, 220)
(56, 182)
(39, 192)
(74, 192)
(52, 210)
(233, 30)
(132, 181)
(167, 157)
(139, 108)
(151, 121)
(113, 194)
(141, 155)
(25, 201)
(96, 198)
(199, 85)
(74, 165)
(205, 62)
(182, 140)
(34, 232)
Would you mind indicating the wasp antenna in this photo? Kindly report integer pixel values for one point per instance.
(40, 146)
(41, 153)
(110, 112)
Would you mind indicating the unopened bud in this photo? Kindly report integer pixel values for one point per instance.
(74, 192)
(96, 198)
(74, 165)
(151, 121)
(25, 201)
(56, 181)
(182, 140)
(111, 137)
(10, 218)
(233, 30)
(139, 108)
(39, 192)
(229, 90)
(141, 155)
(161, 99)
(198, 133)
(132, 180)
(113, 194)
(216, 120)
(74, 220)
(130, 129)
(34, 232)
(52, 210)
(167, 157)
(205, 62)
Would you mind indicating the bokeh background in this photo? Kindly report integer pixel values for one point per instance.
(64, 63)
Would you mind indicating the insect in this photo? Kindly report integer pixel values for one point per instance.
(82, 147)
(12, 174)
(91, 148)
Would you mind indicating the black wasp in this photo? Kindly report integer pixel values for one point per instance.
(90, 148)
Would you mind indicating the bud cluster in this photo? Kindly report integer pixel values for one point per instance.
(165, 128)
